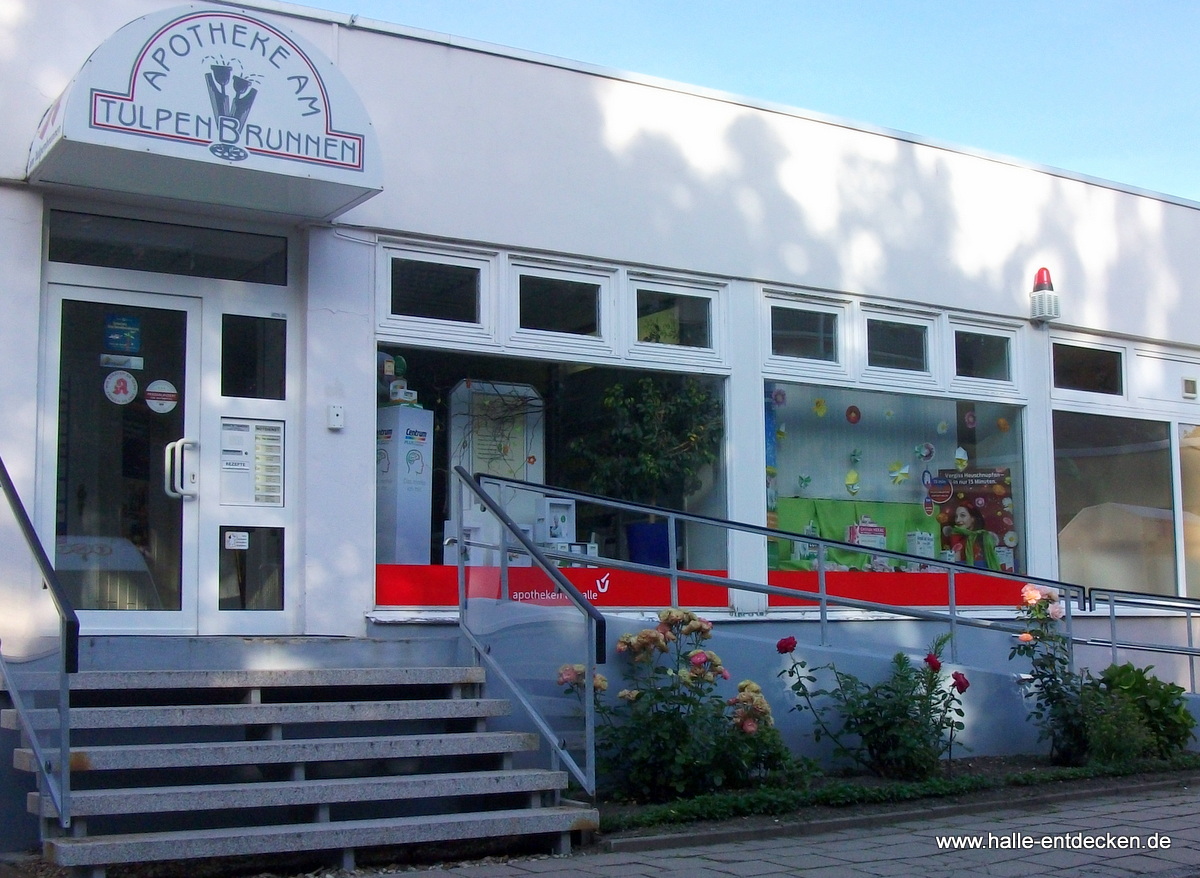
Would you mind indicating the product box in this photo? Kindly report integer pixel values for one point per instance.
(867, 533)
(918, 542)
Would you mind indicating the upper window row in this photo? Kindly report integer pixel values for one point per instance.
(812, 334)
(546, 303)
(891, 344)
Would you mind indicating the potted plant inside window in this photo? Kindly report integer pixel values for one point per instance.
(654, 436)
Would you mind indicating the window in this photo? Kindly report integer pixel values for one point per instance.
(552, 304)
(1094, 370)
(669, 318)
(435, 290)
(979, 355)
(166, 248)
(893, 345)
(908, 463)
(1113, 490)
(811, 335)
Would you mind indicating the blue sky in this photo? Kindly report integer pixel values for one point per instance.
(1104, 88)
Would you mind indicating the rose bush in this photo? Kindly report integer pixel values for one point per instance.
(1125, 713)
(899, 728)
(671, 734)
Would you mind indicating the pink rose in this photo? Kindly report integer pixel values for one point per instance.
(1057, 611)
(749, 726)
(698, 659)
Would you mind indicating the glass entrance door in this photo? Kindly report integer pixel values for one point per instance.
(127, 459)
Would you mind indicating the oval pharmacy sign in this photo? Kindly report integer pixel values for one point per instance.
(231, 85)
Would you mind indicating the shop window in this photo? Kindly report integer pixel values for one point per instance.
(1094, 370)
(253, 357)
(1113, 490)
(930, 476)
(894, 345)
(1189, 468)
(553, 304)
(670, 318)
(435, 290)
(811, 335)
(167, 248)
(981, 355)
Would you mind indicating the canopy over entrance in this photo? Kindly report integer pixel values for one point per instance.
(213, 106)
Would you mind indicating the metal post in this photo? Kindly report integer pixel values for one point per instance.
(672, 552)
(1112, 627)
(823, 595)
(1191, 656)
(952, 597)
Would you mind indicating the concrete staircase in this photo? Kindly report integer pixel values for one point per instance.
(175, 765)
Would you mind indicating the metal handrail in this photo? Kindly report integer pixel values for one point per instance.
(597, 629)
(1189, 607)
(58, 787)
(1074, 594)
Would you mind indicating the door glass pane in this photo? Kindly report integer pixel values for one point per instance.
(251, 568)
(120, 402)
(1112, 484)
(1189, 468)
(253, 357)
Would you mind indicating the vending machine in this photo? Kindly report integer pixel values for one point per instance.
(403, 484)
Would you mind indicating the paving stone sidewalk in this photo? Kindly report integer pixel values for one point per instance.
(1154, 833)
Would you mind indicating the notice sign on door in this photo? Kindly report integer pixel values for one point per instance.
(251, 462)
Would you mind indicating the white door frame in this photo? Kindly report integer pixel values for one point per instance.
(204, 301)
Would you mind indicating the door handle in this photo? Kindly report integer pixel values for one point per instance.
(173, 474)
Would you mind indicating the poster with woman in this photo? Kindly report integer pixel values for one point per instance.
(977, 520)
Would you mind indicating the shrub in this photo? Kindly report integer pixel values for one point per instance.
(899, 728)
(1159, 705)
(1124, 714)
(670, 734)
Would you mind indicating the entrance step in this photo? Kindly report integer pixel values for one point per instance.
(225, 763)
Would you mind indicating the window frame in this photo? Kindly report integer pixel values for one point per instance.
(986, 387)
(784, 365)
(604, 344)
(1094, 397)
(640, 351)
(431, 330)
(931, 376)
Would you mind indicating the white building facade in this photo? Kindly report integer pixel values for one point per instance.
(216, 218)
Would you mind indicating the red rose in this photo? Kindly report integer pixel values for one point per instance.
(786, 645)
(935, 664)
(960, 682)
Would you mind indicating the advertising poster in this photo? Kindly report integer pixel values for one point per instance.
(978, 525)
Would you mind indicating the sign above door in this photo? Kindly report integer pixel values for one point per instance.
(214, 106)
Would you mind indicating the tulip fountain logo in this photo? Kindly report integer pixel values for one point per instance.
(230, 107)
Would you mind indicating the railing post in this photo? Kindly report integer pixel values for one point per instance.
(64, 748)
(1191, 657)
(673, 553)
(1112, 627)
(1070, 633)
(823, 595)
(952, 607)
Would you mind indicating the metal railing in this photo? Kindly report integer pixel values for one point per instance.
(1074, 596)
(1184, 610)
(31, 685)
(506, 634)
